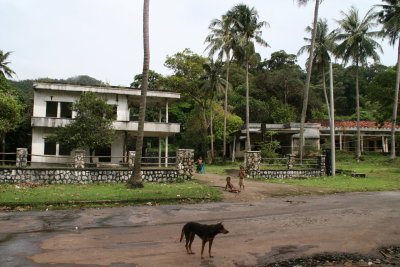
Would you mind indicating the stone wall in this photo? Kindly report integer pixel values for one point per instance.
(83, 176)
(252, 162)
(184, 162)
(284, 174)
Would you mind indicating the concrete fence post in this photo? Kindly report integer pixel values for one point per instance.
(131, 158)
(79, 159)
(252, 161)
(290, 161)
(321, 163)
(22, 158)
(184, 162)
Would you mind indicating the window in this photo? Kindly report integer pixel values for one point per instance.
(104, 154)
(51, 109)
(66, 110)
(49, 147)
(63, 150)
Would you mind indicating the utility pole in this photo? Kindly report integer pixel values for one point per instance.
(332, 123)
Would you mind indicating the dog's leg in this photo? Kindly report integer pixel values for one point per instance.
(202, 247)
(209, 247)
(192, 235)
(188, 237)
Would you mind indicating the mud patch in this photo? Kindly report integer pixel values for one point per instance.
(390, 256)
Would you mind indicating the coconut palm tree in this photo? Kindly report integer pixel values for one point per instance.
(358, 45)
(221, 40)
(247, 27)
(324, 44)
(4, 69)
(389, 17)
(308, 79)
(135, 181)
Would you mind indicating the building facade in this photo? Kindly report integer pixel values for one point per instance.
(52, 108)
(374, 137)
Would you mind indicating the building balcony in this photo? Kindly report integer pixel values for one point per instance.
(155, 129)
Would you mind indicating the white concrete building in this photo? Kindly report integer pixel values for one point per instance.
(52, 108)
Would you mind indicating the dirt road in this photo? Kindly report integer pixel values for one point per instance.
(255, 189)
(261, 231)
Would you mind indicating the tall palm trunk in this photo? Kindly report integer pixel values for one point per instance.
(3, 148)
(325, 93)
(226, 106)
(248, 143)
(307, 87)
(358, 114)
(211, 133)
(135, 180)
(395, 106)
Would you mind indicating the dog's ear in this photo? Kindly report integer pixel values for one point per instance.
(219, 223)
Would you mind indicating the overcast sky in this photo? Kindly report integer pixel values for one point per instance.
(103, 38)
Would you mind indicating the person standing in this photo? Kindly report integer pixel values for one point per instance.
(242, 175)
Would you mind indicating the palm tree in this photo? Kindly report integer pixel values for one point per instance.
(221, 40)
(357, 44)
(135, 181)
(324, 44)
(4, 69)
(308, 79)
(389, 16)
(247, 27)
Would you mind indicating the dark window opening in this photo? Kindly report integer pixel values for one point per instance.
(49, 147)
(63, 150)
(51, 109)
(104, 154)
(66, 110)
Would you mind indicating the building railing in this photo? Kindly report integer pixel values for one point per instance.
(11, 159)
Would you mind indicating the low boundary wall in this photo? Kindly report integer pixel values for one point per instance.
(84, 176)
(284, 174)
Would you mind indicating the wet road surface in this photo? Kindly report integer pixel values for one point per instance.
(260, 231)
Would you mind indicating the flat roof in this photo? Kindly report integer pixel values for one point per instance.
(128, 91)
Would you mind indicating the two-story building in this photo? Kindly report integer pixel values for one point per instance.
(52, 108)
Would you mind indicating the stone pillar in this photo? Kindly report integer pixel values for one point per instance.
(184, 162)
(252, 161)
(131, 158)
(290, 161)
(22, 157)
(321, 163)
(79, 159)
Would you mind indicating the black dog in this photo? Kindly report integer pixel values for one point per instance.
(204, 231)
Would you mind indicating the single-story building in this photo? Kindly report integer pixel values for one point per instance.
(374, 137)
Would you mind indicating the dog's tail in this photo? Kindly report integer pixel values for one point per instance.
(183, 232)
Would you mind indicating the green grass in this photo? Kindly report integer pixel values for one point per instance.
(14, 195)
(380, 175)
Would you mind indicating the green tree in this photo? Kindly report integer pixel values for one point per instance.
(154, 81)
(324, 44)
(84, 80)
(380, 92)
(389, 17)
(4, 69)
(91, 128)
(135, 181)
(309, 69)
(188, 79)
(221, 40)
(248, 30)
(10, 111)
(215, 84)
(357, 44)
(281, 60)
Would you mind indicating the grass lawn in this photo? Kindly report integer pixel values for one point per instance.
(380, 175)
(60, 196)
